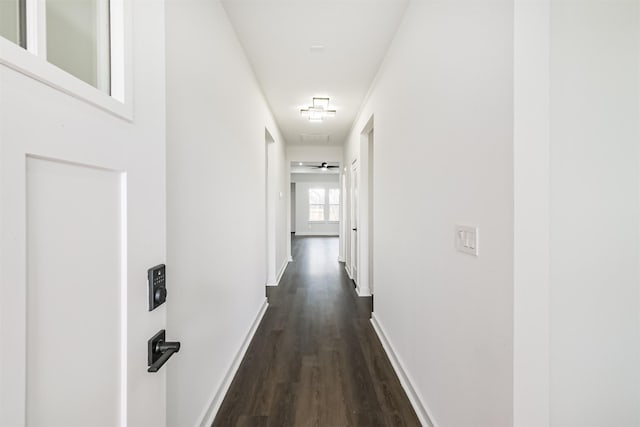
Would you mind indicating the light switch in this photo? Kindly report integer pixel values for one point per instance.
(467, 239)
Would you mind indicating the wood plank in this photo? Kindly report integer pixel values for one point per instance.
(315, 359)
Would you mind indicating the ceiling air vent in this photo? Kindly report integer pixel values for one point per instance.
(314, 137)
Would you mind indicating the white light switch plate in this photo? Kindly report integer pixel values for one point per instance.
(467, 239)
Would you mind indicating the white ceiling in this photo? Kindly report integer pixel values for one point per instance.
(277, 36)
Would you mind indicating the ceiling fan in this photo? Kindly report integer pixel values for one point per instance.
(325, 165)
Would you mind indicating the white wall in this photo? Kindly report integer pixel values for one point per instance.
(443, 112)
(577, 314)
(442, 107)
(216, 119)
(311, 153)
(304, 182)
(595, 213)
(531, 213)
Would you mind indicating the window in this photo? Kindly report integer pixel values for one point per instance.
(12, 21)
(322, 208)
(334, 204)
(78, 39)
(73, 35)
(316, 204)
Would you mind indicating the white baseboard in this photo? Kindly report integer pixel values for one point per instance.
(348, 270)
(340, 259)
(280, 273)
(218, 396)
(421, 409)
(363, 292)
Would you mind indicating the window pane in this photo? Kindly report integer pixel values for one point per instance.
(334, 196)
(316, 196)
(334, 212)
(12, 21)
(78, 39)
(316, 212)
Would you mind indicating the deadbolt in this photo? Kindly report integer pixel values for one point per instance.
(157, 283)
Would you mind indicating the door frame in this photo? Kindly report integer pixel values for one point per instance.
(364, 284)
(270, 199)
(354, 223)
(342, 256)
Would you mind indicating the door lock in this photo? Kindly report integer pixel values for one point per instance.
(159, 351)
(157, 286)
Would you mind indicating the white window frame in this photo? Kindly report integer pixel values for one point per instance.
(329, 204)
(32, 61)
(324, 205)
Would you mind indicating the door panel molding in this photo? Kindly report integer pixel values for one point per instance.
(75, 219)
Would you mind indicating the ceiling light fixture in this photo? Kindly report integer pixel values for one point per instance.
(318, 110)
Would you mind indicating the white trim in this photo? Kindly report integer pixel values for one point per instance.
(422, 411)
(290, 259)
(280, 273)
(362, 291)
(120, 34)
(531, 212)
(341, 259)
(354, 221)
(317, 233)
(210, 411)
(32, 62)
(103, 48)
(34, 23)
(124, 299)
(348, 270)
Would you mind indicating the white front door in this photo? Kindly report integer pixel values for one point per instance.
(82, 218)
(354, 221)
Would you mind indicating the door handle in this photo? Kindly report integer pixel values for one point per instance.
(160, 350)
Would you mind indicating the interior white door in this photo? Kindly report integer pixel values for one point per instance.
(355, 172)
(82, 202)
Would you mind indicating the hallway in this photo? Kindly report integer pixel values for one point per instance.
(315, 359)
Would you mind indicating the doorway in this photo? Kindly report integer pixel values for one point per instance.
(316, 204)
(360, 265)
(293, 208)
(270, 208)
(354, 220)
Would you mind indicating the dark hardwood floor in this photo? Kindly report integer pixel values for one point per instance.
(315, 359)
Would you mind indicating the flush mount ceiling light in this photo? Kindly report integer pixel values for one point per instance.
(318, 110)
